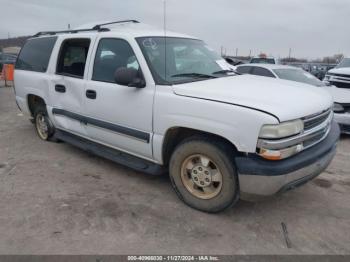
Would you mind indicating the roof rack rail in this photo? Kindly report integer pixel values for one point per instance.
(98, 27)
(95, 28)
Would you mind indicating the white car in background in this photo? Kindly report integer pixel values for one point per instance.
(340, 75)
(341, 95)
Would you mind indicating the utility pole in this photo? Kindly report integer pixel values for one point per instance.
(290, 53)
(68, 26)
(236, 52)
(250, 53)
(222, 48)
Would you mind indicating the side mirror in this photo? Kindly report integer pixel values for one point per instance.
(129, 77)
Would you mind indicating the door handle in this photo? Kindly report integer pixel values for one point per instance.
(91, 94)
(60, 88)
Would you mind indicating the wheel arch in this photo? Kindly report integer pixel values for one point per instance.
(33, 101)
(175, 135)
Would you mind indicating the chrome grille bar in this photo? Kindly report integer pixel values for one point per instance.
(315, 120)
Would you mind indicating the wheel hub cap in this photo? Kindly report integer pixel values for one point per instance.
(201, 176)
(42, 126)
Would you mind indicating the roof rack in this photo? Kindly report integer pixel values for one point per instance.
(98, 27)
(95, 28)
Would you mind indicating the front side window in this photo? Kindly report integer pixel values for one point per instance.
(298, 75)
(72, 58)
(35, 54)
(111, 55)
(176, 60)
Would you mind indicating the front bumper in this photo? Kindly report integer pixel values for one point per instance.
(344, 121)
(260, 177)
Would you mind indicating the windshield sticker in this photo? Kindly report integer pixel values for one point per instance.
(150, 43)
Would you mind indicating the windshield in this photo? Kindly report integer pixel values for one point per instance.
(186, 60)
(262, 61)
(298, 75)
(344, 63)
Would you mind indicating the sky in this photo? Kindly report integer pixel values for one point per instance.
(311, 28)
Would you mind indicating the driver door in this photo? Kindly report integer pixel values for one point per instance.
(119, 116)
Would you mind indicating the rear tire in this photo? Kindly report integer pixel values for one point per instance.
(43, 125)
(203, 174)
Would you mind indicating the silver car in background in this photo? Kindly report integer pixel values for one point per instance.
(340, 95)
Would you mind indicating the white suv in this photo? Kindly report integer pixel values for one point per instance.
(338, 80)
(157, 104)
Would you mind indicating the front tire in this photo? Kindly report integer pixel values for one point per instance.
(203, 174)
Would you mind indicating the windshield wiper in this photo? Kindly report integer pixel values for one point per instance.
(197, 75)
(225, 72)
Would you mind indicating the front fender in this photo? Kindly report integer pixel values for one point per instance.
(239, 125)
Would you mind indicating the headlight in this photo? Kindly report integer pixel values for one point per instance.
(338, 108)
(282, 130)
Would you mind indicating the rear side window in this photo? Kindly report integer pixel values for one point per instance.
(259, 71)
(35, 54)
(72, 57)
(243, 69)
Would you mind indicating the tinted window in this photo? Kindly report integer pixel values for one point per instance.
(72, 58)
(243, 69)
(111, 55)
(259, 71)
(35, 54)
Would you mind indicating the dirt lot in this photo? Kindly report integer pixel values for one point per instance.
(57, 199)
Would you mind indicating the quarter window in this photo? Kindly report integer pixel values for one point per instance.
(111, 55)
(72, 58)
(35, 54)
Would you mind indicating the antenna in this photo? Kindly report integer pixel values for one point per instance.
(165, 44)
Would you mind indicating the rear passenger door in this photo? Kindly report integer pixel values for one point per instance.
(68, 85)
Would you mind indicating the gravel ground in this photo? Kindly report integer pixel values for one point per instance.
(57, 199)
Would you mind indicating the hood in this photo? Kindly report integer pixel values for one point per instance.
(343, 71)
(340, 95)
(286, 100)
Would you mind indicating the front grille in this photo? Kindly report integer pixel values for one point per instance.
(341, 75)
(318, 122)
(340, 84)
(315, 120)
(315, 139)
